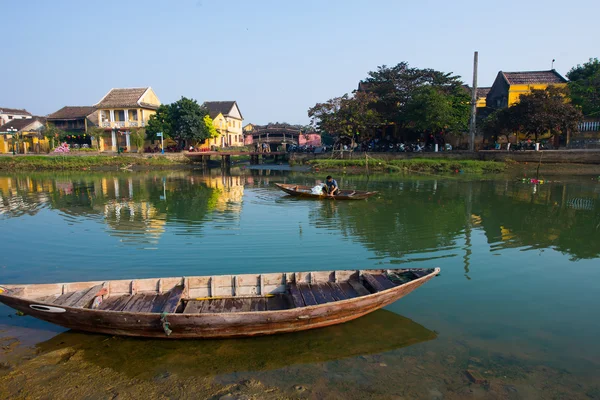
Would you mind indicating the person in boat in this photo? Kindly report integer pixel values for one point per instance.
(331, 187)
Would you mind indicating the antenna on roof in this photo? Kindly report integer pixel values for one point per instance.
(552, 67)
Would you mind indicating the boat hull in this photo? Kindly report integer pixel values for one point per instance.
(304, 191)
(216, 325)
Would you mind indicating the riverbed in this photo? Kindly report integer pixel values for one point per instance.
(516, 303)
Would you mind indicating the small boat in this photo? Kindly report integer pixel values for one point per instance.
(305, 191)
(223, 306)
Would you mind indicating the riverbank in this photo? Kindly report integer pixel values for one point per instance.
(410, 165)
(91, 162)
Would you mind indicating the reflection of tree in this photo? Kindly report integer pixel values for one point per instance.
(541, 216)
(415, 217)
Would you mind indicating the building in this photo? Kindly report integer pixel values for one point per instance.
(23, 135)
(8, 114)
(509, 86)
(227, 119)
(280, 134)
(123, 110)
(75, 121)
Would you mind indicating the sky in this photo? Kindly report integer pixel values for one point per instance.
(275, 58)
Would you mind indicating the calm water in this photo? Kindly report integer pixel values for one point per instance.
(518, 298)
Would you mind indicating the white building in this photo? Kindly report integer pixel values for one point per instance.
(8, 114)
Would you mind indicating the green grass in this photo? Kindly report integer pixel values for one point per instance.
(41, 163)
(414, 165)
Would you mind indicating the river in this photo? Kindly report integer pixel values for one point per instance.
(517, 300)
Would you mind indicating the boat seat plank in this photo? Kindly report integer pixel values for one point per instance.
(337, 292)
(384, 281)
(371, 283)
(215, 306)
(307, 295)
(194, 306)
(258, 304)
(325, 291)
(173, 299)
(87, 298)
(114, 303)
(140, 302)
(277, 302)
(233, 305)
(297, 299)
(348, 289)
(359, 288)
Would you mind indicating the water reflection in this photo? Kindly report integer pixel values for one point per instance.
(378, 332)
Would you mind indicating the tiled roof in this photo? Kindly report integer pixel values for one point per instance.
(482, 92)
(532, 77)
(117, 98)
(218, 107)
(4, 110)
(21, 123)
(72, 112)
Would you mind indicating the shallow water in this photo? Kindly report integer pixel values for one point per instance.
(517, 299)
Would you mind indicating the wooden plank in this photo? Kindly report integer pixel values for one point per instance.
(371, 283)
(86, 300)
(195, 306)
(297, 299)
(307, 295)
(173, 299)
(325, 291)
(47, 299)
(141, 302)
(65, 297)
(246, 304)
(314, 288)
(276, 303)
(384, 281)
(358, 288)
(233, 305)
(337, 292)
(348, 290)
(258, 304)
(115, 303)
(215, 306)
(159, 302)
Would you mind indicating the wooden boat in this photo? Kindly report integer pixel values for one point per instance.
(305, 191)
(215, 306)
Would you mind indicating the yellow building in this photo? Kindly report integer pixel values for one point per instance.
(482, 93)
(227, 119)
(23, 136)
(121, 111)
(509, 86)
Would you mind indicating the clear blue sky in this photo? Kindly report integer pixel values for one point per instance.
(276, 58)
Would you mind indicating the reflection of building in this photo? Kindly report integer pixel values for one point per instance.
(132, 221)
(227, 119)
(124, 110)
(230, 191)
(25, 134)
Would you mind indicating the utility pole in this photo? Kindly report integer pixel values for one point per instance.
(472, 128)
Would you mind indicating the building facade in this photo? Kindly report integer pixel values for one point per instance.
(8, 114)
(23, 135)
(122, 111)
(510, 86)
(76, 122)
(227, 119)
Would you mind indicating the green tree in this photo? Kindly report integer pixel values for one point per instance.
(346, 116)
(431, 109)
(52, 133)
(181, 121)
(212, 131)
(584, 86)
(137, 137)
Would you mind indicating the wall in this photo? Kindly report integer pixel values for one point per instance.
(516, 91)
(312, 139)
(150, 97)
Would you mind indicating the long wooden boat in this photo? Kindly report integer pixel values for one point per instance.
(215, 306)
(305, 191)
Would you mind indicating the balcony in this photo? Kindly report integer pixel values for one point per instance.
(122, 124)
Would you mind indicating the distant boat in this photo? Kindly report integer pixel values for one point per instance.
(215, 306)
(305, 191)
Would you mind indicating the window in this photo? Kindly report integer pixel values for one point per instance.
(10, 117)
(119, 115)
(133, 115)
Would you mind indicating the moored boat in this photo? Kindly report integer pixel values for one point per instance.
(215, 306)
(305, 191)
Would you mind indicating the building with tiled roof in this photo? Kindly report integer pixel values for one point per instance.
(76, 119)
(123, 110)
(227, 119)
(7, 114)
(23, 135)
(509, 86)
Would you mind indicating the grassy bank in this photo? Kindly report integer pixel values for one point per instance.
(412, 165)
(44, 163)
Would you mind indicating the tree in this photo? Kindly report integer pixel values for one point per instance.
(584, 86)
(212, 131)
(52, 133)
(183, 120)
(345, 116)
(538, 113)
(96, 134)
(432, 110)
(137, 137)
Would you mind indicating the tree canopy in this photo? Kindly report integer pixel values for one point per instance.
(537, 113)
(182, 120)
(585, 86)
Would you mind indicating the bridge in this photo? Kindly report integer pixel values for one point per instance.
(275, 135)
(255, 156)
